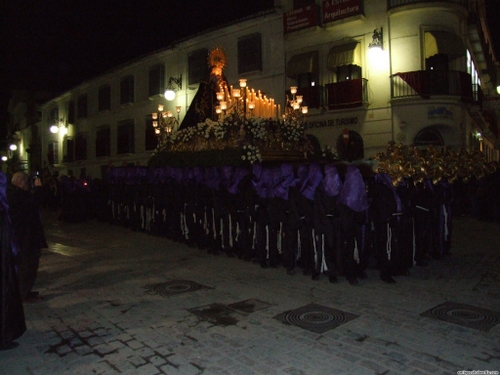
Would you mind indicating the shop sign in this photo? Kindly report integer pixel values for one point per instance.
(439, 113)
(301, 18)
(343, 121)
(334, 10)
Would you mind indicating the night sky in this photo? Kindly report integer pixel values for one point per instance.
(54, 45)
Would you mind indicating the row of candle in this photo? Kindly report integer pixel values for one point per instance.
(255, 104)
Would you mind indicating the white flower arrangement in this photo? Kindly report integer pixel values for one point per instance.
(292, 131)
(251, 154)
(256, 127)
(329, 153)
(248, 135)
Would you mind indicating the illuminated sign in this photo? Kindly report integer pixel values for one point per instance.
(301, 18)
(334, 10)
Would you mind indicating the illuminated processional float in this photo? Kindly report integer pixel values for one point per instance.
(232, 125)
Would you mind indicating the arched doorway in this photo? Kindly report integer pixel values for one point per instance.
(350, 146)
(428, 136)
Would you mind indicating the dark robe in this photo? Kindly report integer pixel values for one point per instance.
(327, 224)
(204, 102)
(26, 221)
(12, 323)
(353, 201)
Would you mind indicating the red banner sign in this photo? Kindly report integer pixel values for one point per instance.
(334, 10)
(300, 18)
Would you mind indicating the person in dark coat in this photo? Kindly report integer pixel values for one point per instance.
(282, 207)
(28, 230)
(308, 250)
(353, 201)
(393, 251)
(12, 323)
(327, 223)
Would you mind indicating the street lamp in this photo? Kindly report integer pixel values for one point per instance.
(294, 110)
(164, 122)
(169, 92)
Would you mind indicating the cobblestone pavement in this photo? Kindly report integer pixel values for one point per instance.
(102, 313)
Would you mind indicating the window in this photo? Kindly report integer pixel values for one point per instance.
(346, 72)
(70, 151)
(345, 61)
(303, 69)
(127, 90)
(197, 66)
(71, 112)
(125, 137)
(306, 80)
(103, 142)
(81, 146)
(54, 116)
(82, 107)
(105, 98)
(151, 137)
(250, 53)
(156, 80)
(53, 153)
(437, 62)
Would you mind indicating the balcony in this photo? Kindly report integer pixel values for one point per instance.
(398, 3)
(347, 94)
(312, 96)
(426, 84)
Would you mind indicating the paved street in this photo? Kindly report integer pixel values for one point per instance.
(124, 302)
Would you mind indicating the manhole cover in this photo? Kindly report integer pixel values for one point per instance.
(464, 315)
(215, 313)
(249, 306)
(315, 318)
(174, 287)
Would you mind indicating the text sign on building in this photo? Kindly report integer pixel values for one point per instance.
(334, 10)
(300, 18)
(343, 121)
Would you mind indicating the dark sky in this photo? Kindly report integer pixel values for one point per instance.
(56, 44)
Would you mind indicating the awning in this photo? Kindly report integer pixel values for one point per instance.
(303, 63)
(443, 42)
(345, 54)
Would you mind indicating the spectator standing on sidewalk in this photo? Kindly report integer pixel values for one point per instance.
(24, 212)
(12, 323)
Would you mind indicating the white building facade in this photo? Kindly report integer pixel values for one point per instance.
(432, 82)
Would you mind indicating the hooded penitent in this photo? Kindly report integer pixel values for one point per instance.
(12, 323)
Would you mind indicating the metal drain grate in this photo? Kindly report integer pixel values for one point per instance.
(464, 315)
(249, 306)
(175, 287)
(315, 318)
(215, 313)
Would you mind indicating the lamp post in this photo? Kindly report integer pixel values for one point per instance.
(295, 111)
(169, 92)
(164, 123)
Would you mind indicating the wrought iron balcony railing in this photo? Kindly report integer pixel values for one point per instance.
(431, 83)
(347, 94)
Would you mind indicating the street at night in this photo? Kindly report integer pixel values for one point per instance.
(124, 302)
